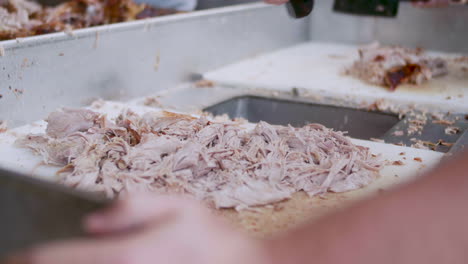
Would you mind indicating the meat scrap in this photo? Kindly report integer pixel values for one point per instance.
(392, 66)
(204, 84)
(3, 126)
(416, 124)
(69, 121)
(444, 143)
(443, 122)
(377, 140)
(153, 101)
(452, 130)
(22, 18)
(221, 163)
(429, 145)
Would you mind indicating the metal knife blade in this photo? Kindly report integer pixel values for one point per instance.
(459, 147)
(34, 211)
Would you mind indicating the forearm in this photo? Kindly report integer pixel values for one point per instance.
(424, 222)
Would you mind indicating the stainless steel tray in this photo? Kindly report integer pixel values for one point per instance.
(359, 123)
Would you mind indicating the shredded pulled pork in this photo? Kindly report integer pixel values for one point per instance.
(217, 162)
(392, 66)
(22, 18)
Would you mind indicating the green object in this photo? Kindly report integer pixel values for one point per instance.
(387, 8)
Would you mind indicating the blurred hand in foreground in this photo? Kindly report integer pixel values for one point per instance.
(151, 229)
(276, 2)
(431, 3)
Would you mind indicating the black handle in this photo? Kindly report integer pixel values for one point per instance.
(387, 8)
(300, 8)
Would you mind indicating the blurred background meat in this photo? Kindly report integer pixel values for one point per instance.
(392, 66)
(22, 18)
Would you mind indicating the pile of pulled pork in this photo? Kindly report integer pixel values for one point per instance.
(22, 18)
(226, 163)
(392, 66)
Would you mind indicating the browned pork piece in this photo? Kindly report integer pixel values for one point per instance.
(392, 66)
(17, 18)
(22, 18)
(221, 163)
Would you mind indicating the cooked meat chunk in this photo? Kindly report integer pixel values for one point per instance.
(56, 151)
(3, 126)
(68, 121)
(218, 162)
(17, 16)
(392, 66)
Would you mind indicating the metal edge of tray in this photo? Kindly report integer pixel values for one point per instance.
(44, 39)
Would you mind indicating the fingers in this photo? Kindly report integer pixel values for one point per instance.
(129, 248)
(135, 211)
(145, 210)
(73, 252)
(276, 2)
(431, 3)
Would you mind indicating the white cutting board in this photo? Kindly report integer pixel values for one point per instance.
(319, 67)
(23, 160)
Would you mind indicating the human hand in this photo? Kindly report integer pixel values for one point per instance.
(148, 230)
(431, 3)
(276, 2)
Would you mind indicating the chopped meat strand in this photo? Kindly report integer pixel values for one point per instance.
(452, 130)
(3, 126)
(443, 122)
